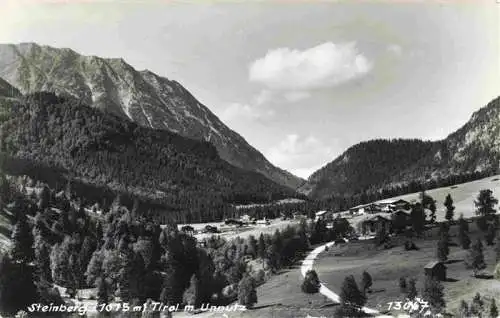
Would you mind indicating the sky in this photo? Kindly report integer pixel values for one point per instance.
(301, 81)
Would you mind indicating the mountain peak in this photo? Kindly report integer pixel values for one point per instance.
(112, 85)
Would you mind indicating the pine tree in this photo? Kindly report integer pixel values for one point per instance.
(22, 241)
(412, 289)
(42, 260)
(278, 249)
(475, 258)
(262, 247)
(75, 270)
(206, 275)
(272, 257)
(94, 268)
(130, 275)
(448, 203)
(381, 237)
(443, 247)
(433, 292)
(135, 208)
(490, 234)
(59, 262)
(311, 283)
(252, 246)
(485, 208)
(493, 309)
(428, 202)
(44, 198)
(247, 295)
(86, 251)
(497, 248)
(402, 285)
(477, 305)
(464, 309)
(351, 298)
(417, 217)
(172, 284)
(366, 281)
(463, 233)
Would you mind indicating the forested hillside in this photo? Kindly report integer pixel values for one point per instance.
(367, 164)
(375, 166)
(104, 150)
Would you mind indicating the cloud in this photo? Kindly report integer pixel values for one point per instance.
(300, 155)
(322, 66)
(263, 97)
(395, 49)
(296, 96)
(239, 111)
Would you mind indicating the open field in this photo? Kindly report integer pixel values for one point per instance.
(231, 232)
(463, 196)
(387, 266)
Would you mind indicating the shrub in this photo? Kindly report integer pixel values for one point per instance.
(260, 277)
(311, 283)
(410, 246)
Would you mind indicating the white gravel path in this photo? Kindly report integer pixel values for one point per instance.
(307, 264)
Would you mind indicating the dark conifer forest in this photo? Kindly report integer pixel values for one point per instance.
(83, 144)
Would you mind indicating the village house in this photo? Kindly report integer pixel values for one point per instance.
(374, 223)
(436, 270)
(320, 215)
(401, 205)
(364, 209)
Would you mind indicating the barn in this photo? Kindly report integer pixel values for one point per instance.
(371, 224)
(436, 270)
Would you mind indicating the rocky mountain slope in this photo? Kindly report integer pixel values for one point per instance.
(150, 100)
(379, 164)
(7, 90)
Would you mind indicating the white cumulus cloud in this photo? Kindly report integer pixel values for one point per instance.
(322, 66)
(239, 111)
(300, 155)
(395, 49)
(295, 96)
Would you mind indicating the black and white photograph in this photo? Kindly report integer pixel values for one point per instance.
(249, 159)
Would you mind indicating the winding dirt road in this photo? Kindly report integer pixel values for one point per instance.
(307, 264)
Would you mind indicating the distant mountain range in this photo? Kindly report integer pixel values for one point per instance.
(152, 101)
(376, 164)
(143, 97)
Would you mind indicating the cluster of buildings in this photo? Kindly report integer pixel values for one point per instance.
(368, 219)
(388, 206)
